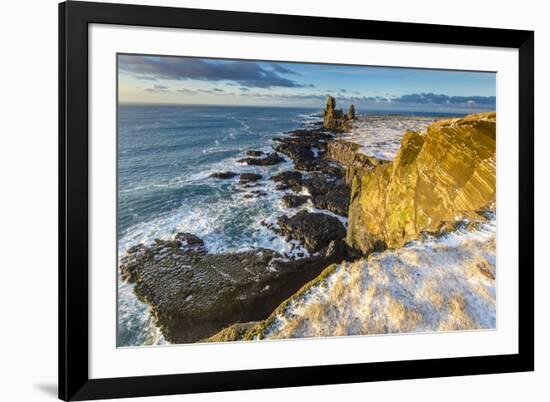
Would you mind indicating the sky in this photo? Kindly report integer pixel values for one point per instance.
(187, 80)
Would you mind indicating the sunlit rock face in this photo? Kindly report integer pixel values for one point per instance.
(438, 284)
(335, 119)
(348, 154)
(437, 177)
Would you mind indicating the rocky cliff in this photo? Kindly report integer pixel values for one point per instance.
(446, 174)
(348, 155)
(443, 179)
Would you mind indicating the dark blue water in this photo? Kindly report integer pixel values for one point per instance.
(165, 155)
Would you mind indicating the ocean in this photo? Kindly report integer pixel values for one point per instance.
(166, 154)
(165, 157)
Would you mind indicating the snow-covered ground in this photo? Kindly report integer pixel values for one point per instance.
(438, 284)
(380, 136)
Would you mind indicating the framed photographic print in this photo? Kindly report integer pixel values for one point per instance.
(257, 200)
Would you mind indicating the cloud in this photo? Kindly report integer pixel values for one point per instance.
(281, 69)
(420, 101)
(144, 77)
(186, 91)
(379, 99)
(245, 92)
(157, 88)
(445, 100)
(435, 101)
(245, 73)
(213, 91)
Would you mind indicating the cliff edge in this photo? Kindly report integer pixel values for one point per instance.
(436, 178)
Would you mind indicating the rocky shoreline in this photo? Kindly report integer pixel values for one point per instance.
(195, 295)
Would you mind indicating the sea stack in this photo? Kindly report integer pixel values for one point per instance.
(335, 119)
(351, 112)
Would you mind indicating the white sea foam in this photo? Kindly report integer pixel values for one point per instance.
(132, 315)
(380, 136)
(241, 209)
(244, 125)
(204, 174)
(309, 119)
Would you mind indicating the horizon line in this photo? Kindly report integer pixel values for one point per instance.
(320, 108)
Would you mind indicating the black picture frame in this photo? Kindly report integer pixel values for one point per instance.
(74, 18)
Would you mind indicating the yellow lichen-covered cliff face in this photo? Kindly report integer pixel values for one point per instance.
(435, 178)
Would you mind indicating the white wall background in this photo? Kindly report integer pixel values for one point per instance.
(28, 201)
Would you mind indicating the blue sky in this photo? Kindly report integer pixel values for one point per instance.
(185, 80)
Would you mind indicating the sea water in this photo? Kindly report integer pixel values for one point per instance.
(166, 155)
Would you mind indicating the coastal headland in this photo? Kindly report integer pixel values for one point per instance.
(441, 181)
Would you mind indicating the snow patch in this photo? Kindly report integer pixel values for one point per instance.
(380, 136)
(437, 284)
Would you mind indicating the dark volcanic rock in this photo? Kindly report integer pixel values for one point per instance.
(328, 193)
(193, 294)
(190, 242)
(249, 177)
(259, 193)
(299, 144)
(254, 153)
(289, 179)
(312, 138)
(320, 165)
(331, 168)
(318, 183)
(314, 230)
(297, 153)
(223, 175)
(293, 201)
(271, 159)
(255, 194)
(305, 133)
(334, 201)
(138, 254)
(131, 261)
